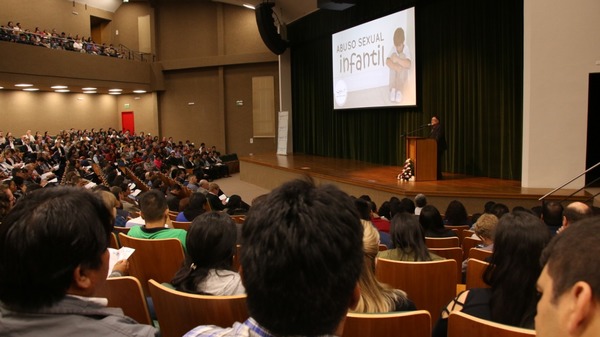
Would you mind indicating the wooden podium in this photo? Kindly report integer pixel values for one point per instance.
(423, 152)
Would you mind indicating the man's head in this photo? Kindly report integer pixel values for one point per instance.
(52, 243)
(570, 283)
(420, 200)
(576, 211)
(301, 258)
(153, 205)
(552, 213)
(213, 188)
(435, 120)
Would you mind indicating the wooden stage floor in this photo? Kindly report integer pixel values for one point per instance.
(269, 170)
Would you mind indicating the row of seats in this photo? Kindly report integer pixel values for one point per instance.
(430, 284)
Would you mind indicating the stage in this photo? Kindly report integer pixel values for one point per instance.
(380, 182)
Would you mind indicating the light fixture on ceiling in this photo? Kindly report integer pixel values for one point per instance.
(114, 93)
(139, 91)
(23, 85)
(62, 90)
(115, 90)
(248, 6)
(88, 89)
(1, 88)
(59, 87)
(31, 89)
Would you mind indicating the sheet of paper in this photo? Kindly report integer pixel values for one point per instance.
(117, 255)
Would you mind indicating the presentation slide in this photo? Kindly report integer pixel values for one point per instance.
(374, 63)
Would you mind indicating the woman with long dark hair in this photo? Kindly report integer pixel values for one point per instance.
(433, 224)
(207, 268)
(512, 274)
(408, 241)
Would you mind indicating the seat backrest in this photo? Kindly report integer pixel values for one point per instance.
(126, 293)
(390, 324)
(454, 253)
(123, 230)
(467, 244)
(430, 285)
(458, 230)
(113, 243)
(475, 269)
(479, 254)
(448, 242)
(157, 259)
(172, 216)
(461, 324)
(467, 233)
(179, 312)
(382, 247)
(181, 224)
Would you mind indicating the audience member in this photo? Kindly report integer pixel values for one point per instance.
(301, 263)
(377, 297)
(154, 212)
(207, 269)
(53, 259)
(499, 210)
(575, 211)
(512, 273)
(420, 202)
(433, 224)
(456, 214)
(552, 215)
(569, 285)
(194, 208)
(408, 240)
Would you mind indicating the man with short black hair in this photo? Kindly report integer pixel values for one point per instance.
(301, 257)
(552, 215)
(154, 212)
(53, 259)
(570, 283)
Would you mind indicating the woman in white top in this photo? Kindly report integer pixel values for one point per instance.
(207, 268)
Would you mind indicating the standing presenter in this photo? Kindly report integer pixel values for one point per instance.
(437, 133)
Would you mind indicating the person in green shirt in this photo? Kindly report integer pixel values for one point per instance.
(154, 211)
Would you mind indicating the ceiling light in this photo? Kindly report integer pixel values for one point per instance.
(114, 93)
(115, 90)
(23, 85)
(31, 89)
(249, 6)
(1, 88)
(88, 89)
(59, 87)
(62, 90)
(139, 91)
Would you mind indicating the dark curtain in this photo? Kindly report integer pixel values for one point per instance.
(469, 56)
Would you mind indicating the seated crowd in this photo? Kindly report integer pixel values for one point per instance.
(53, 40)
(304, 266)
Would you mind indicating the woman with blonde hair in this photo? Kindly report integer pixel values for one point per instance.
(377, 297)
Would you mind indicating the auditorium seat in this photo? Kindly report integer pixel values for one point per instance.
(179, 312)
(448, 242)
(475, 269)
(430, 285)
(126, 293)
(157, 259)
(461, 325)
(390, 324)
